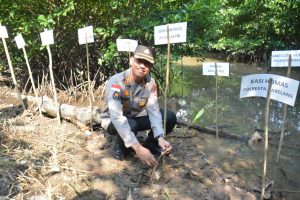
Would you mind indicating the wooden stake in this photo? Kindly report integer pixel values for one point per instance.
(89, 81)
(32, 81)
(266, 139)
(53, 84)
(284, 113)
(216, 75)
(13, 73)
(167, 80)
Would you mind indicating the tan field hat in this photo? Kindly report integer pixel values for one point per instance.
(143, 52)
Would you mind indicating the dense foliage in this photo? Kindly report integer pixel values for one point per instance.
(247, 29)
(251, 29)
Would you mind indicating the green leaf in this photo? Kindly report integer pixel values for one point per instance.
(199, 114)
(42, 18)
(116, 21)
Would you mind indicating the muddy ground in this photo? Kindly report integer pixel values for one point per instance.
(41, 159)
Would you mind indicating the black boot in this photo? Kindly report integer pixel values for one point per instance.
(152, 145)
(119, 150)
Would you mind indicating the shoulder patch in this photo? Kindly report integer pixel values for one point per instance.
(116, 95)
(116, 91)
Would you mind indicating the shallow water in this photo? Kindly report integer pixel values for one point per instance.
(194, 91)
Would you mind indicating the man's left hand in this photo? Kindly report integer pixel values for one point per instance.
(165, 145)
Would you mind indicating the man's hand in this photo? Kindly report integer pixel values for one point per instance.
(144, 155)
(165, 145)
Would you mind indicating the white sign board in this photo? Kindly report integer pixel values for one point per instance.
(210, 70)
(283, 89)
(281, 58)
(86, 35)
(20, 41)
(3, 32)
(126, 45)
(47, 37)
(177, 33)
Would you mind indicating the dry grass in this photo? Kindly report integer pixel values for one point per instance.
(32, 153)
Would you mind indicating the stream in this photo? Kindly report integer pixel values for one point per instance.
(193, 91)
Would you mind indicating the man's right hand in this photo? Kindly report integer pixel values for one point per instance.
(144, 155)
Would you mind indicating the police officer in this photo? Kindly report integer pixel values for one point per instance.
(131, 106)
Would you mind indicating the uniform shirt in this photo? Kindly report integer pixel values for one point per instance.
(124, 97)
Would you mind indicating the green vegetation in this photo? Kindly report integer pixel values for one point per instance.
(199, 114)
(246, 30)
(250, 29)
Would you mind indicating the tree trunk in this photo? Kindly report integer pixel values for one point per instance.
(80, 116)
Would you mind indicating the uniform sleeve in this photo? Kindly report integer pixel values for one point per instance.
(154, 113)
(116, 114)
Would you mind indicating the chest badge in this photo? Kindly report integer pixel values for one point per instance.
(126, 93)
(142, 102)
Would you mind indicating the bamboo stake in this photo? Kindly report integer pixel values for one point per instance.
(167, 87)
(167, 80)
(266, 138)
(89, 81)
(13, 73)
(182, 77)
(32, 81)
(53, 84)
(284, 113)
(216, 75)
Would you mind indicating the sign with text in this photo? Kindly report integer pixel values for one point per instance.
(126, 45)
(283, 89)
(281, 58)
(3, 32)
(86, 35)
(47, 37)
(210, 70)
(20, 41)
(177, 33)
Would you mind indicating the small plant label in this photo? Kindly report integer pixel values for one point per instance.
(20, 41)
(283, 89)
(47, 37)
(177, 33)
(86, 35)
(281, 58)
(210, 70)
(3, 32)
(126, 45)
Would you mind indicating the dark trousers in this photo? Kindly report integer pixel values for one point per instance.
(143, 123)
